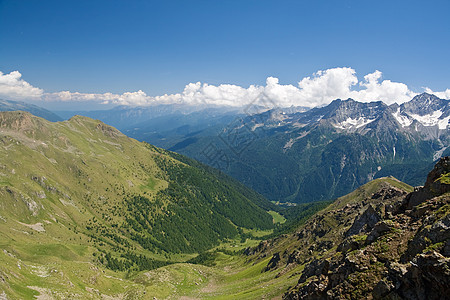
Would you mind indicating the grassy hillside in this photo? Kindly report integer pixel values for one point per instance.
(81, 203)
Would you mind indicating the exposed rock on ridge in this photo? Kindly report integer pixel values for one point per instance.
(379, 242)
(399, 253)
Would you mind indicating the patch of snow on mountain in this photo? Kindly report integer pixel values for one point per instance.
(257, 126)
(402, 119)
(443, 123)
(439, 153)
(357, 123)
(430, 119)
(289, 144)
(319, 118)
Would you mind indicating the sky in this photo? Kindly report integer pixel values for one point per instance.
(97, 54)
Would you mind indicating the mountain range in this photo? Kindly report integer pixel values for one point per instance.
(326, 152)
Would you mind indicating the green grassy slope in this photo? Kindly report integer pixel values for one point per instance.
(82, 206)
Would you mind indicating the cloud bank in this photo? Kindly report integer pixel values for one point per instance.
(12, 86)
(443, 95)
(316, 90)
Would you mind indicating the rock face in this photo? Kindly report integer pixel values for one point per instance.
(365, 222)
(437, 183)
(397, 249)
(385, 240)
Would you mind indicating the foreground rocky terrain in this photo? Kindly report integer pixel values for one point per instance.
(390, 245)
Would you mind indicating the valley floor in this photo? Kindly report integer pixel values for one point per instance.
(65, 271)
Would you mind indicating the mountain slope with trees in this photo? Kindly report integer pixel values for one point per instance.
(80, 190)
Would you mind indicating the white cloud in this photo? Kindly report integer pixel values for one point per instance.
(443, 95)
(13, 87)
(280, 95)
(386, 90)
(224, 94)
(128, 98)
(325, 86)
(316, 90)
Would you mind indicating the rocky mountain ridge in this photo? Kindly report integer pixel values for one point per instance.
(378, 242)
(327, 152)
(425, 114)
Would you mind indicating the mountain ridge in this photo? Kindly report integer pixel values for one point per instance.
(382, 241)
(84, 165)
(340, 147)
(8, 105)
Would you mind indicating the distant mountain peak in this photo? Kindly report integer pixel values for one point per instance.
(424, 101)
(7, 105)
(425, 96)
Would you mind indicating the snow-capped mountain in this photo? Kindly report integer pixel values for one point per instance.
(424, 110)
(322, 153)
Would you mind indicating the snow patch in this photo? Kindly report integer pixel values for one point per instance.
(443, 123)
(356, 123)
(432, 119)
(289, 144)
(257, 126)
(439, 153)
(402, 119)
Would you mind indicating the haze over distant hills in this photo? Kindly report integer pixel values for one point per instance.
(6, 105)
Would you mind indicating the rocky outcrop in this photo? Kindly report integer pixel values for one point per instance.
(395, 249)
(427, 277)
(434, 186)
(365, 222)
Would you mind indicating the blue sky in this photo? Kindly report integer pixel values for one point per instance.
(161, 46)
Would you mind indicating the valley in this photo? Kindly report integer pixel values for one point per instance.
(87, 212)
